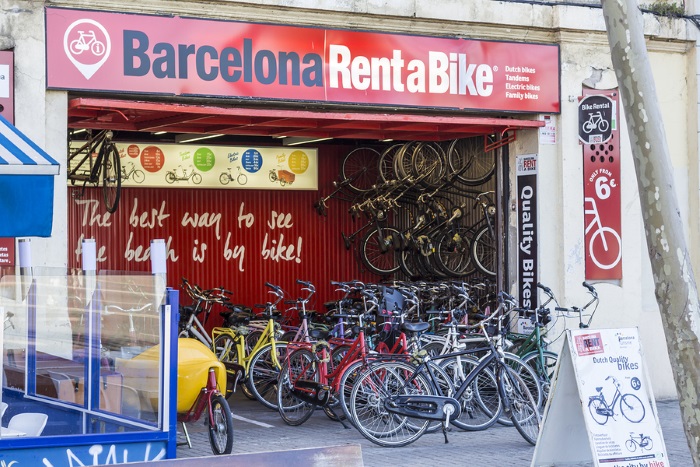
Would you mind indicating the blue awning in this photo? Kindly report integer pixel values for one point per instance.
(26, 185)
(21, 156)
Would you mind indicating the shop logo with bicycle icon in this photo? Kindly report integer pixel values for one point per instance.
(595, 119)
(87, 45)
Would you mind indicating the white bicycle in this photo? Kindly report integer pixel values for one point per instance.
(608, 237)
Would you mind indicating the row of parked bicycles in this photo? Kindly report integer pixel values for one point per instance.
(393, 360)
(426, 208)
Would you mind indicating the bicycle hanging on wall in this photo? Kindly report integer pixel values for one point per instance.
(97, 162)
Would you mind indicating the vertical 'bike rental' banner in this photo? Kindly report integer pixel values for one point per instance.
(599, 133)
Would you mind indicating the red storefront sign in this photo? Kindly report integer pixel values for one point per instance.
(7, 251)
(600, 133)
(117, 52)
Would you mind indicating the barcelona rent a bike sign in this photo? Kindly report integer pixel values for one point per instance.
(600, 134)
(191, 57)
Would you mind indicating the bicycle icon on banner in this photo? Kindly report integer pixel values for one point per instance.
(87, 41)
(607, 236)
(596, 120)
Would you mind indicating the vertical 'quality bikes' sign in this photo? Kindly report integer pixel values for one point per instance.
(526, 173)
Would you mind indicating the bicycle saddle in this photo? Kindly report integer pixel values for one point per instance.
(232, 318)
(599, 389)
(415, 327)
(318, 334)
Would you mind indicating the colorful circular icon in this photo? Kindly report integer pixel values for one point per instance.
(152, 158)
(133, 150)
(298, 162)
(204, 159)
(252, 160)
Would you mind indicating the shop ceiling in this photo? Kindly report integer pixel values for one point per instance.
(218, 122)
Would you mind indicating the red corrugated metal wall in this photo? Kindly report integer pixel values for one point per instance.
(238, 239)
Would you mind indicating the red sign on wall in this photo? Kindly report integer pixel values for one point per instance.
(101, 51)
(599, 125)
(7, 251)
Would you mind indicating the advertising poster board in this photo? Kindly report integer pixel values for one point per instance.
(210, 166)
(601, 406)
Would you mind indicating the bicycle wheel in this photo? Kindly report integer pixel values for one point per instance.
(361, 168)
(453, 255)
(376, 251)
(428, 162)
(529, 376)
(139, 176)
(111, 176)
(544, 367)
(220, 426)
(347, 381)
(225, 348)
(386, 163)
(480, 400)
(647, 443)
(523, 409)
(402, 160)
(459, 155)
(224, 178)
(631, 445)
(300, 365)
(372, 390)
(196, 178)
(242, 179)
(468, 159)
(263, 371)
(170, 177)
(484, 251)
(632, 408)
(597, 409)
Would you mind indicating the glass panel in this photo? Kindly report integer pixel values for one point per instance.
(112, 320)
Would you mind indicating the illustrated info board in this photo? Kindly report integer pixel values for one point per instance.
(601, 410)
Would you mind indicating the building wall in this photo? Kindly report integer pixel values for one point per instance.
(580, 31)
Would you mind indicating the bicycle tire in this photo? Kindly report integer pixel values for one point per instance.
(386, 163)
(170, 177)
(196, 178)
(595, 404)
(379, 262)
(544, 369)
(263, 374)
(529, 376)
(453, 253)
(361, 168)
(631, 445)
(481, 165)
(242, 179)
(367, 407)
(111, 176)
(632, 408)
(139, 176)
(224, 347)
(480, 401)
(648, 445)
(224, 178)
(299, 365)
(402, 160)
(428, 163)
(483, 251)
(345, 384)
(220, 426)
(524, 412)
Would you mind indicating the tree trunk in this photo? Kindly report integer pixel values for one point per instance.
(675, 287)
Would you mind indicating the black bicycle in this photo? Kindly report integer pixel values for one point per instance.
(393, 402)
(97, 162)
(631, 406)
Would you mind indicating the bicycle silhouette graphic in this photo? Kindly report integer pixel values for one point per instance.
(642, 441)
(607, 236)
(87, 41)
(595, 120)
(631, 407)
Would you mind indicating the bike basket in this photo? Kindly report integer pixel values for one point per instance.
(286, 176)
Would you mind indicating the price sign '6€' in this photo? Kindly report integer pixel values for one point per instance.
(601, 172)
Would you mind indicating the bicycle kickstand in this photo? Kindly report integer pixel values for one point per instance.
(187, 437)
(449, 410)
(339, 418)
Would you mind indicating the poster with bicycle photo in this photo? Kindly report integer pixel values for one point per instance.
(618, 405)
(204, 166)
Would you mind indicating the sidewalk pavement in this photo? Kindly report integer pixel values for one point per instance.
(257, 429)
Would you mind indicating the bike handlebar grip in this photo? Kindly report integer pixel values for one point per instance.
(259, 305)
(306, 283)
(589, 287)
(543, 287)
(507, 296)
(558, 308)
(290, 302)
(226, 291)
